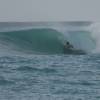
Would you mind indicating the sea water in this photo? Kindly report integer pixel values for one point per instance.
(50, 77)
(46, 76)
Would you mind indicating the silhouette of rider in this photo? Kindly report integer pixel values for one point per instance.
(68, 47)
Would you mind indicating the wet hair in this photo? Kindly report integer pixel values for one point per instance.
(67, 43)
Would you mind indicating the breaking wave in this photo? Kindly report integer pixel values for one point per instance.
(46, 40)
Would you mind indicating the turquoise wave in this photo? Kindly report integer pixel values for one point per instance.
(35, 40)
(45, 41)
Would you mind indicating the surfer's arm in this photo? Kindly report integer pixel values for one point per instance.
(72, 46)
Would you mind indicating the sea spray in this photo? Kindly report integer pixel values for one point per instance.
(78, 35)
(95, 33)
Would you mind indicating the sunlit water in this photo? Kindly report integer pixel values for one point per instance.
(50, 77)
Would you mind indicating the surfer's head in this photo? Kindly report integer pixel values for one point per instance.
(67, 43)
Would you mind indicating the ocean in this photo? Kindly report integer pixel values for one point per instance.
(33, 65)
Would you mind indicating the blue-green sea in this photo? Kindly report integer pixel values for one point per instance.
(34, 67)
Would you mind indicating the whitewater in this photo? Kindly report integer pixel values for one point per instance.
(33, 65)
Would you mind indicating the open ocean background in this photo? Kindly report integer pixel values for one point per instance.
(33, 66)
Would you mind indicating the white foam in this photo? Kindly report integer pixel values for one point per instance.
(95, 33)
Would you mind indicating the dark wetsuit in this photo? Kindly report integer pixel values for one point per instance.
(68, 48)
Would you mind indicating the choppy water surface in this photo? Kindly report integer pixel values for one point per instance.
(50, 77)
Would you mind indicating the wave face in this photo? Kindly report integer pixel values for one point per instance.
(34, 40)
(44, 38)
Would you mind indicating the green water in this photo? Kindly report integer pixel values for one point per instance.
(46, 41)
(39, 40)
